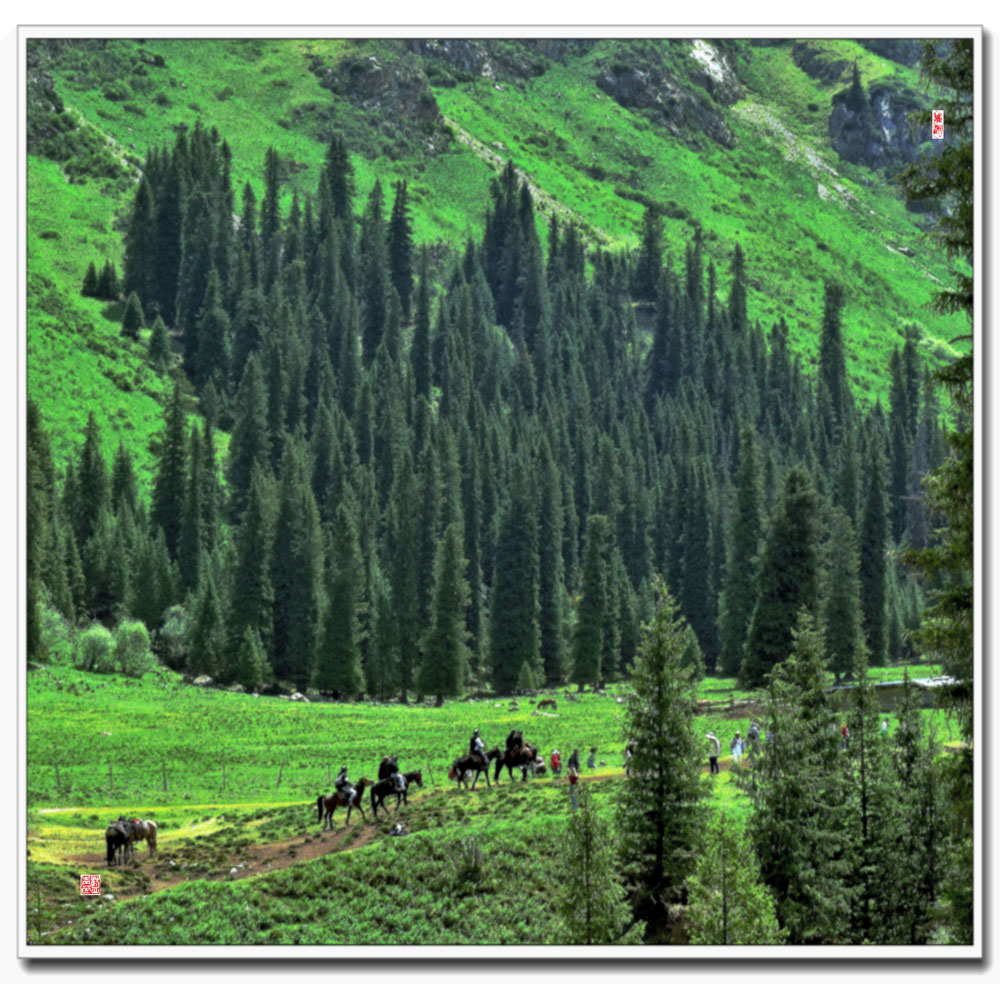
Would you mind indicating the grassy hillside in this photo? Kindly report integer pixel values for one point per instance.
(800, 213)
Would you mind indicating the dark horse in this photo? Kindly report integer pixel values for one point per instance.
(118, 837)
(522, 758)
(387, 787)
(327, 804)
(473, 763)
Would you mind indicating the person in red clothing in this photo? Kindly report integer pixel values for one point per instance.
(843, 734)
(554, 763)
(574, 778)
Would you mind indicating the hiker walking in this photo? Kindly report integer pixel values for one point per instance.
(714, 747)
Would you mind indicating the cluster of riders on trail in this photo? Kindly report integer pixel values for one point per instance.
(123, 835)
(519, 754)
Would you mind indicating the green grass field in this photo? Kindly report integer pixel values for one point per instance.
(248, 863)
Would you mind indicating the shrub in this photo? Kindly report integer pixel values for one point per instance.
(170, 639)
(132, 649)
(57, 635)
(95, 650)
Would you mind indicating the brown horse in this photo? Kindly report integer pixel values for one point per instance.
(522, 758)
(387, 787)
(145, 830)
(475, 764)
(327, 804)
(548, 702)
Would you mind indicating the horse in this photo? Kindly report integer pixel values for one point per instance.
(387, 786)
(522, 758)
(145, 830)
(327, 804)
(474, 764)
(116, 838)
(548, 702)
(131, 831)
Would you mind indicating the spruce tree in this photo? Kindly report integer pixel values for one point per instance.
(799, 791)
(252, 594)
(296, 573)
(445, 655)
(92, 492)
(594, 616)
(168, 488)
(250, 661)
(250, 444)
(159, 345)
(873, 543)
(206, 638)
(842, 636)
(833, 387)
(514, 637)
(592, 902)
(132, 320)
(647, 274)
(788, 577)
(660, 813)
(124, 488)
(338, 664)
(739, 593)
(89, 286)
(728, 905)
(400, 248)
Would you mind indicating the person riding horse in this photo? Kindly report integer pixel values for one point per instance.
(515, 741)
(476, 746)
(389, 769)
(343, 785)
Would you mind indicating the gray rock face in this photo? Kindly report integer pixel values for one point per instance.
(877, 136)
(493, 58)
(679, 110)
(202, 681)
(398, 88)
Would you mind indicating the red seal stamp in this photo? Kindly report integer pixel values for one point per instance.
(90, 884)
(937, 124)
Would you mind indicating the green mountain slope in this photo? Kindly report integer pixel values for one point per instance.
(446, 123)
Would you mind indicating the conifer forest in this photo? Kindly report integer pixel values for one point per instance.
(381, 390)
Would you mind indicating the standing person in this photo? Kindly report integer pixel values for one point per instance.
(736, 747)
(714, 747)
(843, 735)
(574, 778)
(554, 762)
(629, 753)
(752, 736)
(592, 758)
(574, 761)
(884, 730)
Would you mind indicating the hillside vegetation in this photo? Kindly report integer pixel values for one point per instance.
(597, 163)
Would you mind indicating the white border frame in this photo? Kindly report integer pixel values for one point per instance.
(554, 952)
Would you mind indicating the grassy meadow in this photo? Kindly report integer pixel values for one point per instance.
(247, 862)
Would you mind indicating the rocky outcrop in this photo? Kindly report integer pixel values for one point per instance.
(493, 58)
(398, 89)
(818, 63)
(875, 134)
(682, 112)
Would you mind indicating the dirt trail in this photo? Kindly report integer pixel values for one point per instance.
(253, 859)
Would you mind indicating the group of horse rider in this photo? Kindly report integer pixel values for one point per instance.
(515, 742)
(390, 765)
